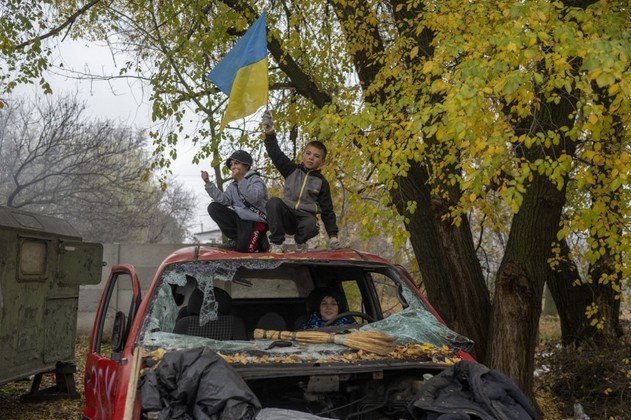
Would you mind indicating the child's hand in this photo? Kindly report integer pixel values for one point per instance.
(267, 122)
(238, 172)
(205, 177)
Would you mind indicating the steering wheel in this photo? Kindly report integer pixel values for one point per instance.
(343, 314)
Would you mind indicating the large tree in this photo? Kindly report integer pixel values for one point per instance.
(93, 173)
(451, 108)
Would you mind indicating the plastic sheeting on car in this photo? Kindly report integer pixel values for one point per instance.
(418, 325)
(196, 384)
(470, 390)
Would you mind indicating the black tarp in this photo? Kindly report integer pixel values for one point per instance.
(469, 390)
(196, 384)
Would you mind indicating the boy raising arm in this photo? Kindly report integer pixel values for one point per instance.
(305, 194)
(240, 210)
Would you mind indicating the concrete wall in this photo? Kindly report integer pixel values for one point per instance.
(145, 257)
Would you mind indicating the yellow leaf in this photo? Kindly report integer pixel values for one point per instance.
(414, 52)
(613, 89)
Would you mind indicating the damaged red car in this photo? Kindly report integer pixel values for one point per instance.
(221, 334)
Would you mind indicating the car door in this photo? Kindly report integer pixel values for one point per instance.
(108, 367)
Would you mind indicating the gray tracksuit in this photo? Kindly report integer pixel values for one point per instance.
(253, 189)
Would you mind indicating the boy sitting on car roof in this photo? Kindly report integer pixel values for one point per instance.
(240, 210)
(306, 193)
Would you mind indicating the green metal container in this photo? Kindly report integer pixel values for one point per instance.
(42, 263)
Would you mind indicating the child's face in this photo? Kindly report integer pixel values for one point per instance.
(328, 308)
(238, 170)
(312, 157)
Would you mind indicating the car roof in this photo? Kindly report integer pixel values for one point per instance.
(210, 253)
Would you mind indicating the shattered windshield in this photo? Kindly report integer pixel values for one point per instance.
(220, 305)
(184, 278)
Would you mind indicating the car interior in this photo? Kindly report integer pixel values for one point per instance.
(281, 298)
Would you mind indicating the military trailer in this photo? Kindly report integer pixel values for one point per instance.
(43, 260)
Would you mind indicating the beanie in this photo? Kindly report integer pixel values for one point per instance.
(240, 156)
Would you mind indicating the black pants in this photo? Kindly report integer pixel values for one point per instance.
(283, 220)
(246, 234)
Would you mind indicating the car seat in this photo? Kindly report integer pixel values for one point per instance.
(225, 327)
(272, 321)
(180, 293)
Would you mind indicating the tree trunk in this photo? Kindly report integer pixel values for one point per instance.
(571, 297)
(602, 287)
(607, 297)
(605, 279)
(449, 266)
(520, 280)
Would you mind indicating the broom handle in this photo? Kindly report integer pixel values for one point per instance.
(355, 341)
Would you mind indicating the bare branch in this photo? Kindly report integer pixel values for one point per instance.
(71, 19)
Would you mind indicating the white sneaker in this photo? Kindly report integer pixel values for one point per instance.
(302, 247)
(276, 248)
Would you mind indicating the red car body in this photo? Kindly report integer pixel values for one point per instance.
(111, 380)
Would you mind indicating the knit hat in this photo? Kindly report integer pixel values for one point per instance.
(240, 156)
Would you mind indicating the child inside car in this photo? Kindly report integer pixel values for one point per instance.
(326, 308)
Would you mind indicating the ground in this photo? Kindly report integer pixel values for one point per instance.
(599, 380)
(12, 407)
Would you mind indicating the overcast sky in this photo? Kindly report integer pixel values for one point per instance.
(124, 101)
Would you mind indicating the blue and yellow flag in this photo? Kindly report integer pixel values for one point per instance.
(242, 74)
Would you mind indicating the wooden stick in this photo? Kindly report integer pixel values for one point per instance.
(371, 341)
(132, 385)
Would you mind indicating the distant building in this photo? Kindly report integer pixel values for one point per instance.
(207, 236)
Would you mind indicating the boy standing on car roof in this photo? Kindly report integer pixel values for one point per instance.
(240, 210)
(306, 193)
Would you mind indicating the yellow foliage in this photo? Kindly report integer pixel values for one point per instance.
(472, 108)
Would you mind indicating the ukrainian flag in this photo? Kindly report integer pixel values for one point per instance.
(242, 74)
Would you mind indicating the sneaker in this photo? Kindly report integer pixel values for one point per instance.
(276, 248)
(302, 247)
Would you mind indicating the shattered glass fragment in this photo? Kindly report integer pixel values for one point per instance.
(164, 311)
(418, 325)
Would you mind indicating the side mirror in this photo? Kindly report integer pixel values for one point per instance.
(118, 333)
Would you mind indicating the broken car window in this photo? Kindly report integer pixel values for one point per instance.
(388, 293)
(405, 315)
(163, 313)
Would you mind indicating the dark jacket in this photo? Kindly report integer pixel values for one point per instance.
(469, 390)
(315, 321)
(304, 189)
